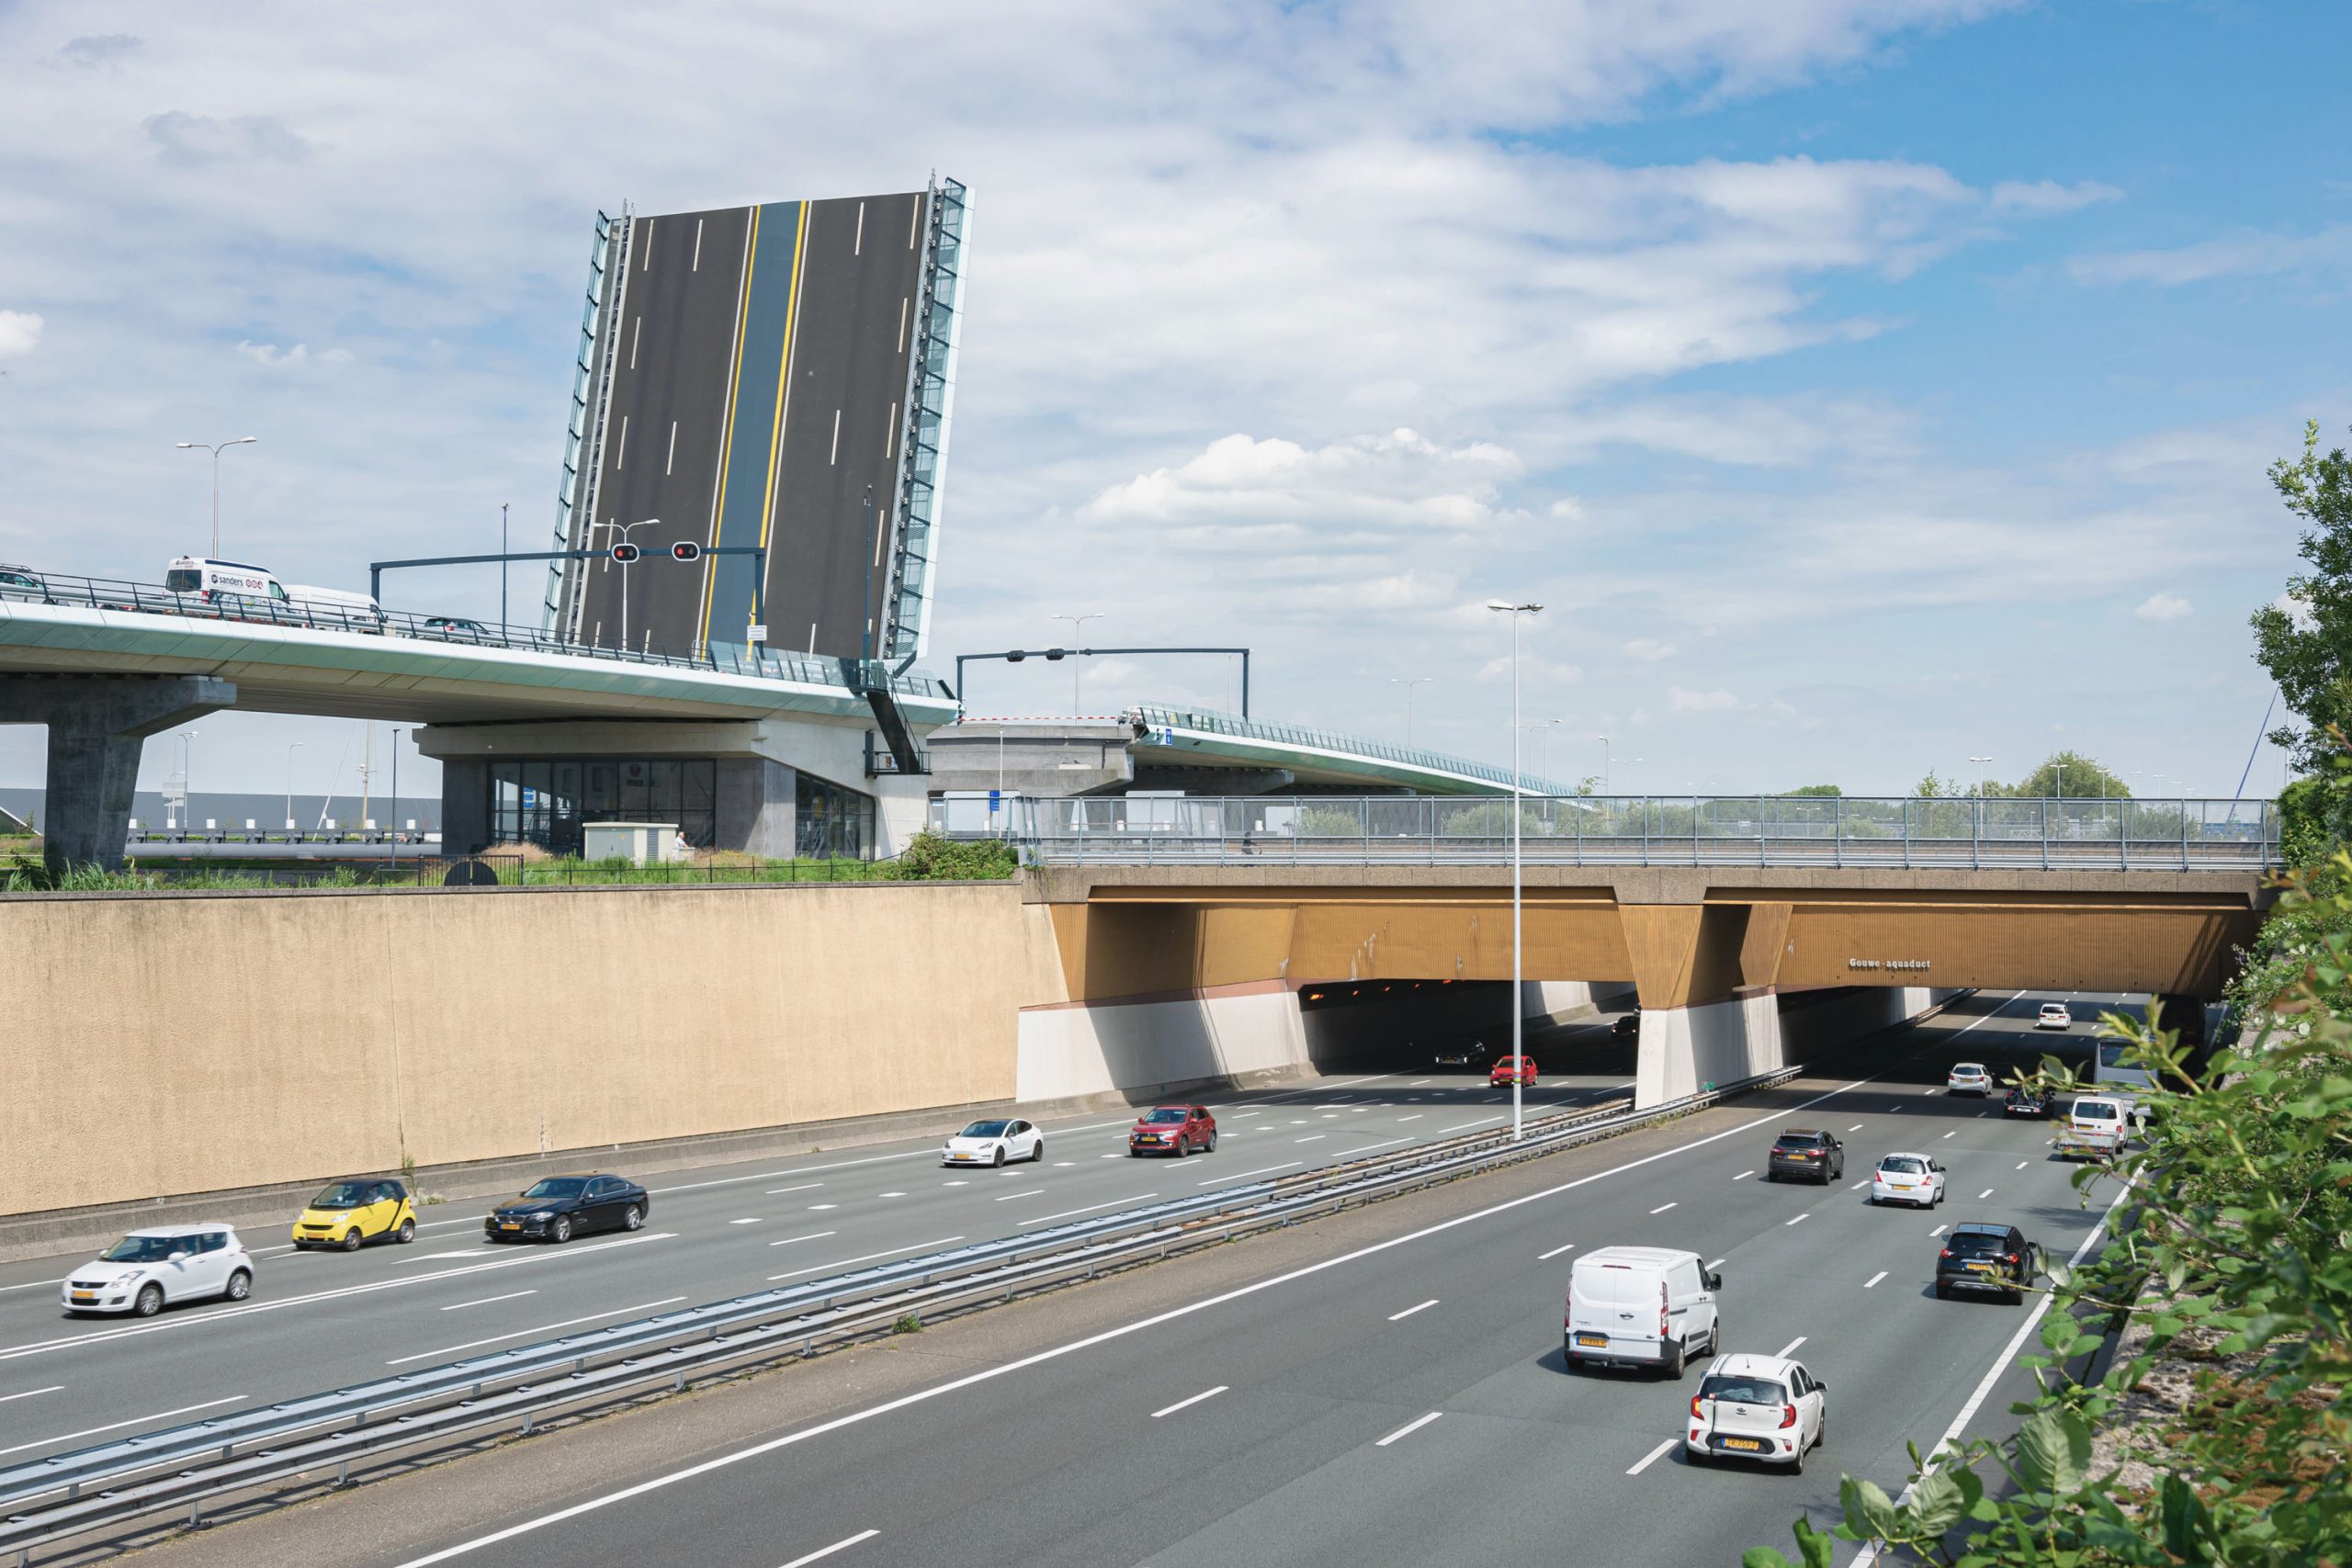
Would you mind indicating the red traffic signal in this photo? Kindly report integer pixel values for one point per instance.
(685, 549)
(624, 553)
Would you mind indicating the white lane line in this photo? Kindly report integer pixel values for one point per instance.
(2021, 1165)
(1855, 1128)
(52, 1388)
(837, 1546)
(697, 264)
(620, 453)
(635, 333)
(442, 1256)
(670, 464)
(1982, 1114)
(1871, 1283)
(1652, 1457)
(1072, 1347)
(1481, 1122)
(1065, 1163)
(1011, 1196)
(1802, 1218)
(1416, 1083)
(814, 1207)
(968, 1184)
(804, 1187)
(1547, 1256)
(229, 1314)
(1743, 1175)
(1181, 1404)
(865, 1258)
(1401, 1317)
(485, 1301)
(1719, 1263)
(1858, 1186)
(1065, 1214)
(835, 455)
(1953, 1133)
(118, 1425)
(1245, 1175)
(1791, 1348)
(1313, 1138)
(1414, 1117)
(930, 1151)
(1937, 1231)
(1662, 1208)
(2002, 1362)
(543, 1328)
(812, 1236)
(1986, 1193)
(1384, 1142)
(1409, 1429)
(752, 1221)
(1113, 1154)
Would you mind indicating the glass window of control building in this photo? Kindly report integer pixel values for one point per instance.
(835, 822)
(547, 801)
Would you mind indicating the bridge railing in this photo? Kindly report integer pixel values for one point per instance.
(1778, 830)
(148, 598)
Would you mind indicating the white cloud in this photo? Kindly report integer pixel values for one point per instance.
(2243, 255)
(1400, 481)
(1649, 650)
(270, 354)
(1681, 701)
(1535, 672)
(19, 332)
(2049, 195)
(2296, 610)
(2163, 607)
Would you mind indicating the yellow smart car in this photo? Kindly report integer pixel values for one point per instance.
(349, 1212)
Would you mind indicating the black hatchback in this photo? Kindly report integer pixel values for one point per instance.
(1801, 1151)
(556, 1208)
(1977, 1256)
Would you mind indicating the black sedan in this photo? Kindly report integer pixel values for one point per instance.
(1627, 1027)
(1802, 1152)
(1981, 1257)
(556, 1208)
(1475, 1055)
(2027, 1100)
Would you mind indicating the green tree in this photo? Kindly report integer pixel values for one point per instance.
(1933, 787)
(2081, 779)
(1329, 822)
(1818, 789)
(2308, 648)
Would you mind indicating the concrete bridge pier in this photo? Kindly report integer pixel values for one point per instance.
(97, 725)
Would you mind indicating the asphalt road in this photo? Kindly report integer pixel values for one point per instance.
(320, 1320)
(1401, 1401)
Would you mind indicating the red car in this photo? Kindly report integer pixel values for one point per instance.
(1173, 1129)
(1513, 1069)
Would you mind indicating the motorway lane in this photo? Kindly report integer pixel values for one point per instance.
(319, 1320)
(1405, 1402)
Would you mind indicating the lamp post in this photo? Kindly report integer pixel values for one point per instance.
(215, 448)
(1076, 626)
(187, 776)
(1604, 763)
(2062, 779)
(396, 733)
(1517, 788)
(1408, 683)
(622, 529)
(291, 748)
(504, 565)
(1980, 763)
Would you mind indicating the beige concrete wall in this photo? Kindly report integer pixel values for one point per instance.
(191, 1043)
(1077, 1049)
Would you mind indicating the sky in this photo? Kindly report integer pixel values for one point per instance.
(1862, 386)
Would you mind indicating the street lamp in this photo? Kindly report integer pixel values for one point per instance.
(291, 747)
(188, 769)
(622, 529)
(1076, 626)
(1408, 683)
(2062, 779)
(1518, 789)
(1980, 763)
(1543, 749)
(215, 448)
(396, 733)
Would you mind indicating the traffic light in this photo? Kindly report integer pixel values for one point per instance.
(685, 550)
(623, 554)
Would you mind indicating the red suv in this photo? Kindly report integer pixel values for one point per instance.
(1513, 1069)
(1173, 1129)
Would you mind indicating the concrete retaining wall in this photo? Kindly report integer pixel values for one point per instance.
(1144, 1048)
(1685, 1049)
(193, 1043)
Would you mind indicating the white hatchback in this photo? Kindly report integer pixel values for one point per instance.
(1908, 1178)
(1968, 1077)
(148, 1268)
(992, 1143)
(1760, 1408)
(2054, 1015)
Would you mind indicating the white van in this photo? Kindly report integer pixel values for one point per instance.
(214, 579)
(1643, 1306)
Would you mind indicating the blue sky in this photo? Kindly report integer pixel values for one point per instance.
(1864, 386)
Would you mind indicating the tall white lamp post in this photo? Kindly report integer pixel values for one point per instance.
(215, 448)
(1518, 789)
(1077, 631)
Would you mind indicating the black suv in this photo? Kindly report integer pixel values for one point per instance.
(1800, 1151)
(557, 1207)
(1980, 1257)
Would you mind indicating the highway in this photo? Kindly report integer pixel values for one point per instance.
(319, 1320)
(1382, 1387)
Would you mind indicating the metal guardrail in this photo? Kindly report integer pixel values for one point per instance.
(295, 1442)
(760, 663)
(2186, 834)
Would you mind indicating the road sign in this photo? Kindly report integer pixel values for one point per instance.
(755, 633)
(685, 549)
(624, 553)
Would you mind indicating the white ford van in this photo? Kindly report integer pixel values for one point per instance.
(1641, 1306)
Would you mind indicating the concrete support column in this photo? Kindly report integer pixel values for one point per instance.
(757, 809)
(98, 726)
(465, 805)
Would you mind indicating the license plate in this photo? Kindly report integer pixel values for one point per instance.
(1594, 1341)
(510, 1225)
(1980, 1268)
(85, 1295)
(1750, 1444)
